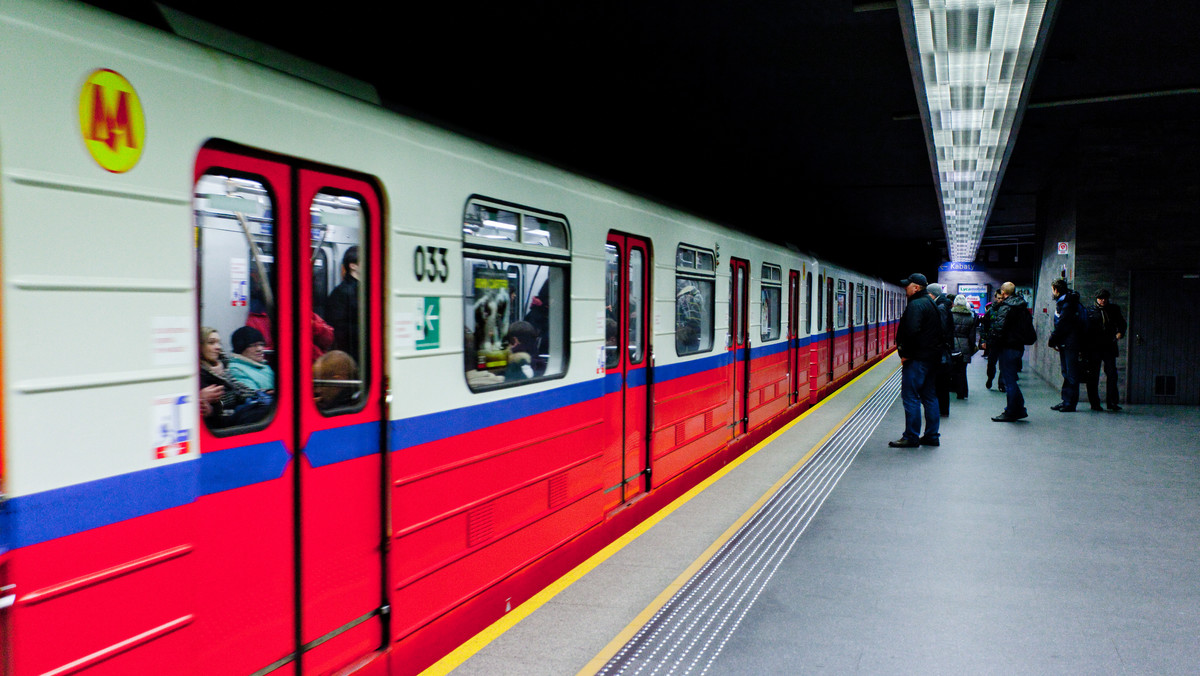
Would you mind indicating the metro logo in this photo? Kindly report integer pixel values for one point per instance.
(111, 121)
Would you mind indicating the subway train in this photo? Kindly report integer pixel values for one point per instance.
(227, 450)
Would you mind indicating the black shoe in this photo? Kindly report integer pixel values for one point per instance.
(988, 384)
(904, 443)
(1002, 389)
(1057, 407)
(926, 441)
(1114, 407)
(1006, 417)
(962, 396)
(1097, 407)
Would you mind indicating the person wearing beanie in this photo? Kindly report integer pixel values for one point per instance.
(920, 342)
(248, 365)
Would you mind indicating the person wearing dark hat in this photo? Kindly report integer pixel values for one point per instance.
(248, 365)
(920, 340)
(1106, 325)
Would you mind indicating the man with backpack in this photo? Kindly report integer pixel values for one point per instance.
(1070, 327)
(1011, 330)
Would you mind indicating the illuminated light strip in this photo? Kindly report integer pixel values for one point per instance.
(972, 64)
(476, 643)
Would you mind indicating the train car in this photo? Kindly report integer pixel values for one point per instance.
(293, 384)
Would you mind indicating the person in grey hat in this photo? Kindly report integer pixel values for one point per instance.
(919, 341)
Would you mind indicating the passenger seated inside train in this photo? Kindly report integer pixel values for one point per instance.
(225, 402)
(522, 343)
(335, 380)
(248, 364)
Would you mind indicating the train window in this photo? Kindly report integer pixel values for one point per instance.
(339, 339)
(809, 307)
(772, 294)
(235, 228)
(612, 300)
(695, 284)
(820, 303)
(637, 271)
(841, 304)
(516, 268)
(858, 304)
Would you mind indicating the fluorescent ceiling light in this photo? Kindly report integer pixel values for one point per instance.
(972, 63)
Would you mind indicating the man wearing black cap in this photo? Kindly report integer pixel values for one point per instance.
(919, 340)
(1106, 326)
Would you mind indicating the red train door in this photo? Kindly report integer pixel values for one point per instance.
(850, 322)
(340, 384)
(793, 360)
(830, 331)
(739, 344)
(628, 354)
(290, 518)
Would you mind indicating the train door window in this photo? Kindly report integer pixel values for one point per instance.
(516, 269)
(235, 236)
(339, 337)
(841, 304)
(858, 304)
(636, 338)
(808, 309)
(612, 301)
(695, 286)
(771, 299)
(820, 303)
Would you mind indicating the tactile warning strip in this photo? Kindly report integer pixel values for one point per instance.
(688, 633)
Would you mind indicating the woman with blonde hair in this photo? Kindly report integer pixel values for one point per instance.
(225, 402)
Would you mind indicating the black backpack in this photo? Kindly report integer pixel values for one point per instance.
(1025, 331)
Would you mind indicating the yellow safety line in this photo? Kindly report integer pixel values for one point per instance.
(477, 642)
(645, 616)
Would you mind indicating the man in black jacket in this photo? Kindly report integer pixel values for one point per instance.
(1010, 323)
(1067, 337)
(920, 340)
(1106, 325)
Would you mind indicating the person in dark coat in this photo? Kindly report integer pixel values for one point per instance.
(341, 309)
(991, 355)
(945, 371)
(920, 341)
(1009, 323)
(1106, 325)
(964, 343)
(1069, 326)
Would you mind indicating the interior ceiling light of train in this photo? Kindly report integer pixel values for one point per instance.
(973, 63)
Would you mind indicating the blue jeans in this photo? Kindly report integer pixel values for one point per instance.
(1069, 359)
(1010, 363)
(918, 389)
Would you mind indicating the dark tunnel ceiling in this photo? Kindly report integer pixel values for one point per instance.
(797, 122)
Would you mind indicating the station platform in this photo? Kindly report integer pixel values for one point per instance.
(1067, 543)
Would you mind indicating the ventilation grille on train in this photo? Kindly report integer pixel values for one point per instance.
(481, 523)
(558, 490)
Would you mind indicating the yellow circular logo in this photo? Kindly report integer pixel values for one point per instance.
(110, 117)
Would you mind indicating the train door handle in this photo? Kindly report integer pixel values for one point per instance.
(8, 600)
(1138, 337)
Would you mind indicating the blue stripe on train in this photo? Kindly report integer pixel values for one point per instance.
(30, 519)
(73, 509)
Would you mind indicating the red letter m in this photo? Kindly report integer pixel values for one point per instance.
(109, 126)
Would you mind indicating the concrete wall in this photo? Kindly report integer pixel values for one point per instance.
(1127, 199)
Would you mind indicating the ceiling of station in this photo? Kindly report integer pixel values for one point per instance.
(796, 121)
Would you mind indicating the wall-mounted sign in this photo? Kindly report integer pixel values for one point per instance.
(961, 266)
(1064, 248)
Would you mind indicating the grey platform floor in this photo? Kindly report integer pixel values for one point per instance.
(1063, 544)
